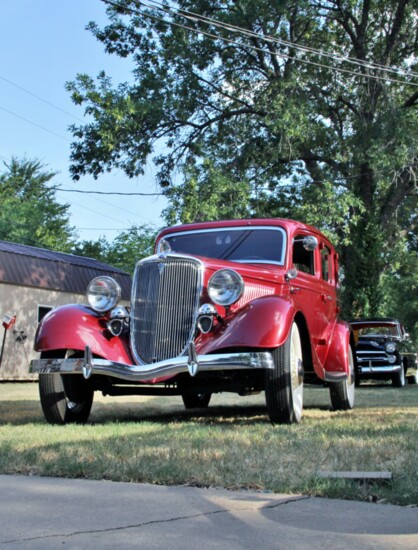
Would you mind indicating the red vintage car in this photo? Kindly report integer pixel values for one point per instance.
(239, 306)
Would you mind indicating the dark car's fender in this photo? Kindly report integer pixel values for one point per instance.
(262, 323)
(76, 326)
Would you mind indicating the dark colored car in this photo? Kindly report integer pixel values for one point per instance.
(383, 351)
(243, 306)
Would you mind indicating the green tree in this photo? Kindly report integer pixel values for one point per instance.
(128, 247)
(29, 211)
(207, 194)
(310, 103)
(400, 278)
(99, 250)
(131, 246)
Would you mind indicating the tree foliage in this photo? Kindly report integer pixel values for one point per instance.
(127, 249)
(306, 108)
(29, 211)
(206, 193)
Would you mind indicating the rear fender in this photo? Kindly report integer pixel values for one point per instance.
(75, 327)
(262, 323)
(337, 357)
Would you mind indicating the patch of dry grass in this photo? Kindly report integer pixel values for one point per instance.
(231, 444)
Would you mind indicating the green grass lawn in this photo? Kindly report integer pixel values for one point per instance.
(231, 444)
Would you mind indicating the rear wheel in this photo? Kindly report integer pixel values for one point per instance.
(65, 398)
(342, 393)
(284, 383)
(413, 379)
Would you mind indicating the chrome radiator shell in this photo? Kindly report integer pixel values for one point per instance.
(164, 306)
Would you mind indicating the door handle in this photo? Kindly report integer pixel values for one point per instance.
(326, 297)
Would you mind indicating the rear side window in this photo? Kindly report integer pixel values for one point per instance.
(326, 264)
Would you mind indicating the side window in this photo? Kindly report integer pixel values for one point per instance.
(303, 260)
(42, 311)
(325, 263)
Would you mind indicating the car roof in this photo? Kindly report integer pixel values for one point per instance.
(375, 321)
(290, 225)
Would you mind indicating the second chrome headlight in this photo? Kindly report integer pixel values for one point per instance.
(225, 287)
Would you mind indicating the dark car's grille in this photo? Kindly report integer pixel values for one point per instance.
(372, 358)
(164, 307)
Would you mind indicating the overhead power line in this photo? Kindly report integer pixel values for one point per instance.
(40, 98)
(34, 124)
(135, 214)
(193, 16)
(103, 228)
(109, 193)
(252, 47)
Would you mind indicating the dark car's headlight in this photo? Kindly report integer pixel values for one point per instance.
(103, 293)
(390, 347)
(225, 287)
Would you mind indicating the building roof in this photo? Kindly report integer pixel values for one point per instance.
(40, 268)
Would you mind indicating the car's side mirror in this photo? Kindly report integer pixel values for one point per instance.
(310, 243)
(291, 274)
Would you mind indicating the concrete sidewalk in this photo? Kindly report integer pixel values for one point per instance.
(44, 513)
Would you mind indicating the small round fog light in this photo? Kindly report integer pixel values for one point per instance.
(115, 326)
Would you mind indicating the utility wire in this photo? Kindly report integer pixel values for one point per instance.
(193, 16)
(97, 212)
(104, 228)
(254, 48)
(40, 98)
(118, 207)
(110, 193)
(34, 124)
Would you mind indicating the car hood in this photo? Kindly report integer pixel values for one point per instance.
(258, 272)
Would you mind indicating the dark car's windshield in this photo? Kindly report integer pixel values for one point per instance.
(378, 330)
(255, 245)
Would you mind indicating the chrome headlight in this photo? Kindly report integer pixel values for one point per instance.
(103, 293)
(392, 359)
(390, 347)
(225, 287)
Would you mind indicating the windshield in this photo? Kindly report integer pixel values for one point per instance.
(255, 245)
(378, 330)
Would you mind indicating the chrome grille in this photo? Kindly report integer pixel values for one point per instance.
(164, 307)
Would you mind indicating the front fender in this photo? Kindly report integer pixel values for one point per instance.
(262, 323)
(337, 357)
(75, 327)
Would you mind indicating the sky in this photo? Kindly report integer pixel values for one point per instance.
(43, 45)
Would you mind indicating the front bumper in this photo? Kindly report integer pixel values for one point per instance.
(192, 363)
(379, 370)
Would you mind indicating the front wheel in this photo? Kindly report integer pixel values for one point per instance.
(398, 379)
(342, 393)
(284, 383)
(196, 400)
(65, 399)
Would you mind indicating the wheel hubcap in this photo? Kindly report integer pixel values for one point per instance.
(296, 366)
